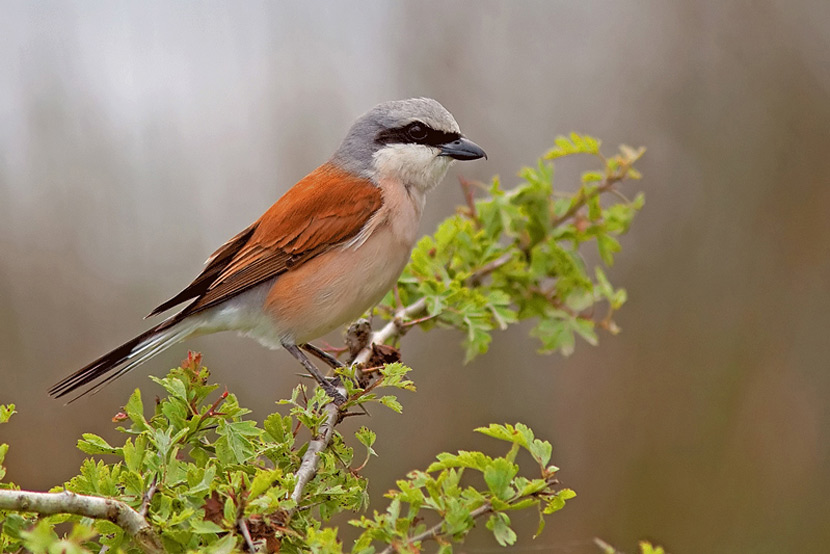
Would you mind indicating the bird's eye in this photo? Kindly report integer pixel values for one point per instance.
(417, 131)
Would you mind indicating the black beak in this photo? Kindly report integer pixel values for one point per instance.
(462, 149)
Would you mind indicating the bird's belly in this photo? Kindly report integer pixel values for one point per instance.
(335, 287)
(243, 313)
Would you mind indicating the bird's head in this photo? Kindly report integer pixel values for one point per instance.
(413, 141)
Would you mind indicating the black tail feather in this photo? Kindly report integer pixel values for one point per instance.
(102, 366)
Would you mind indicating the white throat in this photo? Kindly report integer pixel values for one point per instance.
(414, 165)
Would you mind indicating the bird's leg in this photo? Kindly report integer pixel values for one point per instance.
(334, 363)
(330, 360)
(326, 384)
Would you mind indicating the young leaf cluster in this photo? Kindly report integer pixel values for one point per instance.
(436, 504)
(196, 468)
(207, 479)
(521, 254)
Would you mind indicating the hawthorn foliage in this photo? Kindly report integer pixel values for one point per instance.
(204, 477)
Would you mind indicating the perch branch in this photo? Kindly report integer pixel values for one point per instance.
(308, 466)
(395, 327)
(391, 329)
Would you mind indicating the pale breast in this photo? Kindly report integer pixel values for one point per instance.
(338, 286)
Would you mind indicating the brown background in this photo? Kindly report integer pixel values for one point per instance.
(135, 138)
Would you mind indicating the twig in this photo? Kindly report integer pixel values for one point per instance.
(396, 326)
(391, 329)
(435, 530)
(467, 190)
(418, 321)
(246, 534)
(308, 467)
(606, 185)
(606, 548)
(119, 513)
(488, 268)
(148, 497)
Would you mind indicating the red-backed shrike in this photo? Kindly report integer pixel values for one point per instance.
(323, 254)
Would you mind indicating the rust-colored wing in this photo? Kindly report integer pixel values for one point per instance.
(326, 208)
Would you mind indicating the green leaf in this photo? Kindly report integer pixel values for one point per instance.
(555, 334)
(367, 439)
(134, 453)
(499, 524)
(647, 548)
(501, 432)
(280, 429)
(225, 545)
(262, 482)
(608, 246)
(394, 376)
(541, 451)
(558, 502)
(457, 516)
(233, 444)
(473, 460)
(585, 329)
(391, 402)
(592, 176)
(499, 475)
(135, 411)
(541, 526)
(6, 412)
(229, 510)
(93, 444)
(202, 526)
(4, 448)
(174, 386)
(13, 525)
(40, 539)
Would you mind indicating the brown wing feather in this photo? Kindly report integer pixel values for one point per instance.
(214, 266)
(326, 208)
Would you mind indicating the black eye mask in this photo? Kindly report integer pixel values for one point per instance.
(416, 133)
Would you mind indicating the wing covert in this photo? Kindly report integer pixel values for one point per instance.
(323, 210)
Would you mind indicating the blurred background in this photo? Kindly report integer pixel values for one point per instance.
(137, 137)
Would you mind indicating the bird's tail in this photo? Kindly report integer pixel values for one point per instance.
(124, 358)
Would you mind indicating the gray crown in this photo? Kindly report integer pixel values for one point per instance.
(356, 151)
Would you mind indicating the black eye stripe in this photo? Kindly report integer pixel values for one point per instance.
(403, 135)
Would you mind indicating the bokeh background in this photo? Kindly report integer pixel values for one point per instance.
(137, 137)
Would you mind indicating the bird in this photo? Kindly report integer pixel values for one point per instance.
(323, 254)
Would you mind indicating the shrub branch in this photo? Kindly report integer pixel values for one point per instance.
(308, 467)
(119, 513)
